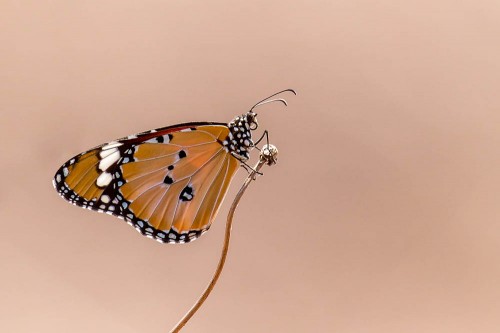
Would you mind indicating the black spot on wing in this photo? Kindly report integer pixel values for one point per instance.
(168, 180)
(187, 194)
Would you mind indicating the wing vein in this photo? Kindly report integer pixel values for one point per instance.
(220, 189)
(171, 144)
(209, 189)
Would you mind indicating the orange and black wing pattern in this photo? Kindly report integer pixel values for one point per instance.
(168, 183)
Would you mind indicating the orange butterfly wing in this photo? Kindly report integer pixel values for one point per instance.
(168, 183)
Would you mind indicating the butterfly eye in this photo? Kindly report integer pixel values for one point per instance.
(253, 125)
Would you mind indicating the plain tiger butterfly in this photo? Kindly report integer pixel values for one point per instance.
(169, 182)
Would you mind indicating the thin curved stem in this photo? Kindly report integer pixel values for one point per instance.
(225, 248)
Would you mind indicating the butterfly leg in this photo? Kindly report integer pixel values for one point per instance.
(249, 169)
(265, 134)
(244, 165)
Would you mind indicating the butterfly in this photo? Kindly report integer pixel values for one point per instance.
(168, 183)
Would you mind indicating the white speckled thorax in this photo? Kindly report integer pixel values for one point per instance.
(239, 141)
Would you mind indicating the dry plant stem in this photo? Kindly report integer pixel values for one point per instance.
(225, 248)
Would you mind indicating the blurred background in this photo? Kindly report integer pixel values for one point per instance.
(382, 214)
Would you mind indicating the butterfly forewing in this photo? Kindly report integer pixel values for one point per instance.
(168, 183)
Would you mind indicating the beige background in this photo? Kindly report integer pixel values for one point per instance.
(381, 216)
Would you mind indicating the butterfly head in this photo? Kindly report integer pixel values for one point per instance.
(251, 119)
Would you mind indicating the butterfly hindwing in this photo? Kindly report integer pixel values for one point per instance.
(168, 183)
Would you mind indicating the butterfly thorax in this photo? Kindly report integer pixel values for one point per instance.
(239, 140)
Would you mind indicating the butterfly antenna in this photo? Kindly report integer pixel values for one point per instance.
(265, 100)
(270, 101)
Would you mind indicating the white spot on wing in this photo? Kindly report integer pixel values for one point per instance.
(107, 161)
(104, 179)
(165, 139)
(105, 198)
(112, 144)
(107, 152)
